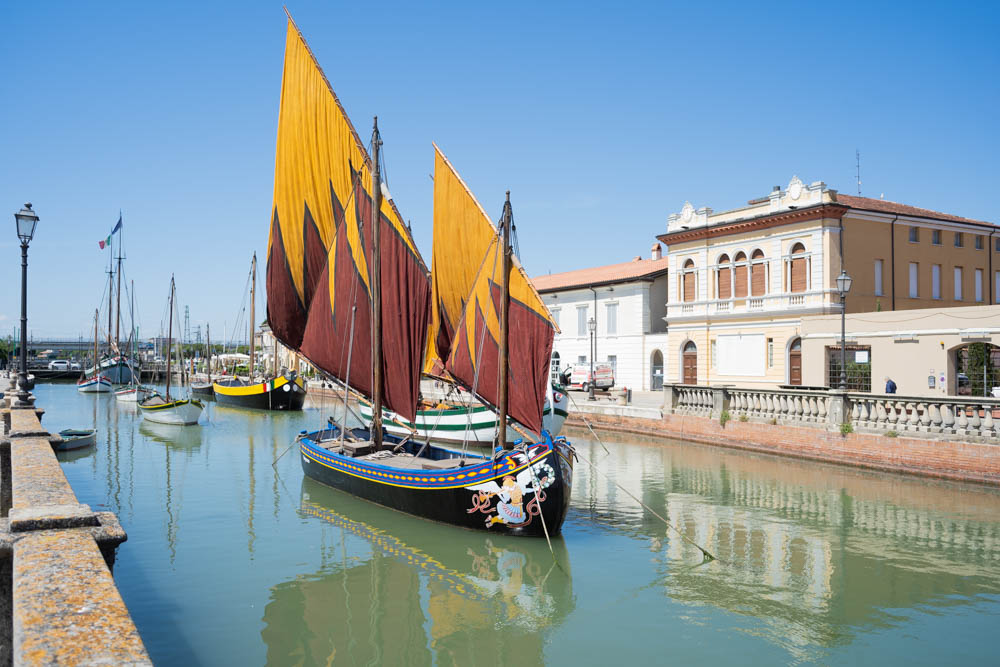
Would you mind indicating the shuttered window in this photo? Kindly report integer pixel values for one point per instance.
(914, 292)
(758, 274)
(935, 281)
(979, 284)
(958, 283)
(689, 278)
(741, 275)
(725, 286)
(878, 277)
(798, 278)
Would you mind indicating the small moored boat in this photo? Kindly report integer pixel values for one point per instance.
(91, 385)
(133, 394)
(76, 438)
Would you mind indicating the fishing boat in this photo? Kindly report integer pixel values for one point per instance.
(348, 289)
(164, 409)
(278, 391)
(455, 421)
(94, 382)
(133, 393)
(75, 438)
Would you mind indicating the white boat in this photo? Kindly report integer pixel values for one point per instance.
(94, 385)
(133, 394)
(455, 422)
(180, 412)
(164, 409)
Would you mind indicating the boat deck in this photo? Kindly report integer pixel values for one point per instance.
(362, 450)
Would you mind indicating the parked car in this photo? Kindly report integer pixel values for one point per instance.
(74, 365)
(604, 377)
(58, 365)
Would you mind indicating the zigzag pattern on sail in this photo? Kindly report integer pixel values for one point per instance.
(466, 298)
(318, 274)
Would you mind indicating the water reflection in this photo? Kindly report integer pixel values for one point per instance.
(396, 590)
(818, 553)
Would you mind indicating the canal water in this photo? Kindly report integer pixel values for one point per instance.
(231, 560)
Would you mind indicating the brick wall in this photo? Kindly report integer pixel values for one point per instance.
(961, 461)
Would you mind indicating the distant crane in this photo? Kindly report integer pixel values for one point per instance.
(187, 324)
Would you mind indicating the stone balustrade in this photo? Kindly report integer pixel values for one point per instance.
(946, 417)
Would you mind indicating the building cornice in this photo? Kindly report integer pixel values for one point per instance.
(816, 212)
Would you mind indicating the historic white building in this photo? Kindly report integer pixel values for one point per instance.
(628, 302)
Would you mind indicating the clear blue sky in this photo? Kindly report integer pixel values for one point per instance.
(601, 118)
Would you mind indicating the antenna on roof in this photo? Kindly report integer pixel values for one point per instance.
(857, 159)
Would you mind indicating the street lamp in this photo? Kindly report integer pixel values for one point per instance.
(592, 326)
(26, 221)
(843, 287)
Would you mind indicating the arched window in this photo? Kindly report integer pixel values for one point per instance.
(799, 279)
(740, 281)
(724, 285)
(758, 274)
(688, 278)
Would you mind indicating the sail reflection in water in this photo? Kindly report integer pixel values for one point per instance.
(415, 594)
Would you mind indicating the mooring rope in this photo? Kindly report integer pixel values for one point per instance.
(586, 421)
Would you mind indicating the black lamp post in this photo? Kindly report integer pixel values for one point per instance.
(26, 221)
(592, 326)
(843, 287)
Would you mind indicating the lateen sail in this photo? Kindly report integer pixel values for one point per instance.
(317, 268)
(467, 250)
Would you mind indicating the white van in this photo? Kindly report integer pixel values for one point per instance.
(604, 377)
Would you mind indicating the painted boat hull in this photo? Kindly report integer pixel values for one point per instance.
(76, 439)
(133, 394)
(495, 497)
(452, 424)
(94, 385)
(119, 370)
(182, 413)
(281, 393)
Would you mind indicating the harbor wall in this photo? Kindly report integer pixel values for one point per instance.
(958, 460)
(58, 600)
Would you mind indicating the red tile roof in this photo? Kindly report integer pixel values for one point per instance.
(637, 269)
(884, 206)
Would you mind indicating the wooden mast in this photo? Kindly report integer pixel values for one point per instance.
(253, 314)
(505, 223)
(111, 288)
(208, 342)
(170, 333)
(97, 367)
(376, 288)
(118, 306)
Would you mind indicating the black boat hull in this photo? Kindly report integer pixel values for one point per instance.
(511, 495)
(281, 393)
(203, 391)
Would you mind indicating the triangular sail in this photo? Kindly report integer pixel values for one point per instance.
(318, 280)
(462, 232)
(474, 349)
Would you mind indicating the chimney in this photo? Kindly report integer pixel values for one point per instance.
(776, 188)
(657, 251)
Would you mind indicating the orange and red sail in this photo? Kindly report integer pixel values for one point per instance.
(464, 335)
(318, 276)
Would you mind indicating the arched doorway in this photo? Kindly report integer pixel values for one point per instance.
(795, 362)
(656, 371)
(689, 363)
(977, 369)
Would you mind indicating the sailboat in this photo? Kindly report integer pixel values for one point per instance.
(94, 382)
(163, 409)
(115, 365)
(348, 289)
(279, 391)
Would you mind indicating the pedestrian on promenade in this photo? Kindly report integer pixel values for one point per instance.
(890, 386)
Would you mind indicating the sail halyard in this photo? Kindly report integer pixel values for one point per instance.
(322, 231)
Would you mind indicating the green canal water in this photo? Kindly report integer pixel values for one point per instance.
(233, 561)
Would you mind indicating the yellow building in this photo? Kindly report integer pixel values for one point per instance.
(742, 280)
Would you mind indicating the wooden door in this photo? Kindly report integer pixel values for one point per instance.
(795, 363)
(690, 357)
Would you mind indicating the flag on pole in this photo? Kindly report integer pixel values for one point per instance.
(107, 242)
